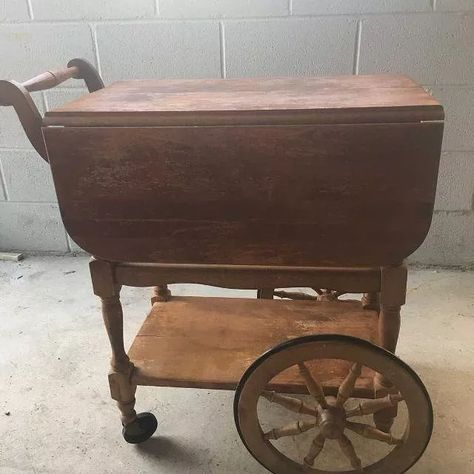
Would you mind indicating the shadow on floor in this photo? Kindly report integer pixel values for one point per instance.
(162, 449)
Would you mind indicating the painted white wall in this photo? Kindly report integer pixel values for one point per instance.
(431, 40)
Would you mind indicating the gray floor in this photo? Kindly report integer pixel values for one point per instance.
(56, 414)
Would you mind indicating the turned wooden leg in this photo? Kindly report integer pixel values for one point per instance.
(265, 293)
(160, 293)
(122, 389)
(371, 301)
(389, 328)
(392, 297)
(136, 428)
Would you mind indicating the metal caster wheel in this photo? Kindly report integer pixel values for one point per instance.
(141, 429)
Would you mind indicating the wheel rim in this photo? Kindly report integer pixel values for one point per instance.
(295, 351)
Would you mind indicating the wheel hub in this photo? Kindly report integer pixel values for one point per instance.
(332, 421)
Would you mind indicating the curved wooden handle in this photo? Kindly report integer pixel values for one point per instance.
(17, 95)
(50, 79)
(77, 68)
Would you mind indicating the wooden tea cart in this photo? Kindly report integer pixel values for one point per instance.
(324, 183)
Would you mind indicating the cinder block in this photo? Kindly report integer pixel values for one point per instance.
(454, 5)
(31, 227)
(92, 9)
(222, 8)
(459, 123)
(159, 50)
(12, 134)
(334, 7)
(449, 242)
(27, 176)
(28, 49)
(456, 182)
(58, 97)
(14, 10)
(295, 46)
(432, 48)
(3, 196)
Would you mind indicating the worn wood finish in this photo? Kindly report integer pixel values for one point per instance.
(17, 94)
(254, 183)
(14, 94)
(122, 388)
(369, 407)
(313, 386)
(88, 73)
(353, 280)
(331, 421)
(371, 301)
(347, 386)
(370, 432)
(50, 79)
(343, 99)
(209, 342)
(315, 449)
(290, 403)
(349, 451)
(392, 297)
(291, 429)
(222, 195)
(77, 68)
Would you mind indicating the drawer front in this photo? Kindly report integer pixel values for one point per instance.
(356, 194)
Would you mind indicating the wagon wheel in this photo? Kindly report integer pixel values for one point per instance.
(327, 417)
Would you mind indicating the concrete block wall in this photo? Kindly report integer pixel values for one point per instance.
(431, 40)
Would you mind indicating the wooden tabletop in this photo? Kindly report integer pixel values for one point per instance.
(339, 99)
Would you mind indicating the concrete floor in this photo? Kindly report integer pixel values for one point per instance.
(56, 415)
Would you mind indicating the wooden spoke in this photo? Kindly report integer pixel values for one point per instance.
(316, 447)
(309, 354)
(313, 386)
(294, 428)
(348, 449)
(293, 404)
(347, 386)
(368, 407)
(371, 432)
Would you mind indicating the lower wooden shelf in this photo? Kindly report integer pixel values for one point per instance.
(209, 342)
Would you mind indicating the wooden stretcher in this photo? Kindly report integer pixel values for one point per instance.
(322, 183)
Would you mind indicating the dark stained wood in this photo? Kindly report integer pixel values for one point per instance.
(392, 297)
(339, 195)
(210, 342)
(14, 94)
(253, 183)
(349, 280)
(17, 95)
(88, 73)
(341, 99)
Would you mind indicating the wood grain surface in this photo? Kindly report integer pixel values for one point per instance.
(345, 280)
(320, 195)
(340, 99)
(210, 342)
